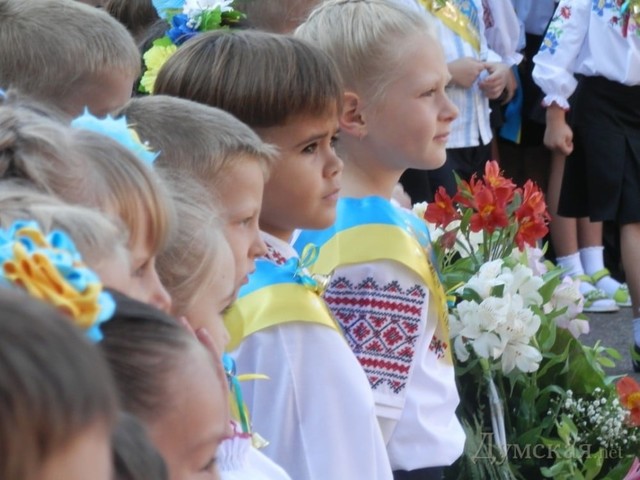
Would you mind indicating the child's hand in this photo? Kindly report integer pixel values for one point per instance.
(465, 71)
(496, 82)
(558, 136)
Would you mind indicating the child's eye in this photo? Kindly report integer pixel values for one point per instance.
(310, 148)
(140, 271)
(429, 93)
(334, 140)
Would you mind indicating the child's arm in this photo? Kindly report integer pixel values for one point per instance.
(554, 69)
(558, 136)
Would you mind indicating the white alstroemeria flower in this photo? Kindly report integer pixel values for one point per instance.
(478, 324)
(521, 323)
(522, 281)
(522, 356)
(576, 326)
(460, 348)
(195, 7)
(486, 278)
(567, 294)
(535, 259)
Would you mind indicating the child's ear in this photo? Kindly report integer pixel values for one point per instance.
(352, 121)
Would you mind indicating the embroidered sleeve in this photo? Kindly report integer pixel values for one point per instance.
(556, 59)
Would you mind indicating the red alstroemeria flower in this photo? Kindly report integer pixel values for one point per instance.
(490, 214)
(441, 211)
(529, 232)
(533, 204)
(629, 393)
(503, 188)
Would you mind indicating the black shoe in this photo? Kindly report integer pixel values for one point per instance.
(635, 359)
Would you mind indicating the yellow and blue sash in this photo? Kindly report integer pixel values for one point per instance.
(459, 16)
(275, 294)
(370, 229)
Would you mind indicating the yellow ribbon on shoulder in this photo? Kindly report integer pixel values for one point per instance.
(454, 19)
(275, 305)
(374, 242)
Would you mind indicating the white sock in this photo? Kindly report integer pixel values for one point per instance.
(573, 267)
(592, 259)
(571, 264)
(636, 330)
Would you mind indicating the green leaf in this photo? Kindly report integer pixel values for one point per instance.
(497, 291)
(210, 20)
(162, 42)
(593, 464)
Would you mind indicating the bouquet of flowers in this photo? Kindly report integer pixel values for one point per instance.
(514, 326)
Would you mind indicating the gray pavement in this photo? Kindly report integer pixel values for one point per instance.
(613, 330)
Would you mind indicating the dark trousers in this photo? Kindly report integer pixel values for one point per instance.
(433, 473)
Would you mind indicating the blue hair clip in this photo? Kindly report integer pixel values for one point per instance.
(119, 131)
(3, 94)
(51, 269)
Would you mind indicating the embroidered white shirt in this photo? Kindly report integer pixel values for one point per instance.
(317, 410)
(389, 320)
(586, 37)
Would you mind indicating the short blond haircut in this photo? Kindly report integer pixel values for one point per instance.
(96, 237)
(359, 36)
(188, 263)
(49, 47)
(263, 79)
(196, 139)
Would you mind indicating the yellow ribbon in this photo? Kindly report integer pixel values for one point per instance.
(454, 19)
(275, 305)
(376, 242)
(36, 274)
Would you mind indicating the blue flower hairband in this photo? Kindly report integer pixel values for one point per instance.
(119, 131)
(51, 269)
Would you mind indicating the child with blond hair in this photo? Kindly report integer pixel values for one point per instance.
(384, 291)
(279, 325)
(66, 54)
(89, 168)
(221, 153)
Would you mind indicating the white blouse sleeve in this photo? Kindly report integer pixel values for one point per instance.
(556, 60)
(503, 34)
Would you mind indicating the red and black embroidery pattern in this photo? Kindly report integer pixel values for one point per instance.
(381, 325)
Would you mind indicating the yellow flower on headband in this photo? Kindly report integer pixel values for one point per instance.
(154, 59)
(50, 269)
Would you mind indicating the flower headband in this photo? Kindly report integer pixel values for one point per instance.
(51, 269)
(186, 19)
(119, 131)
